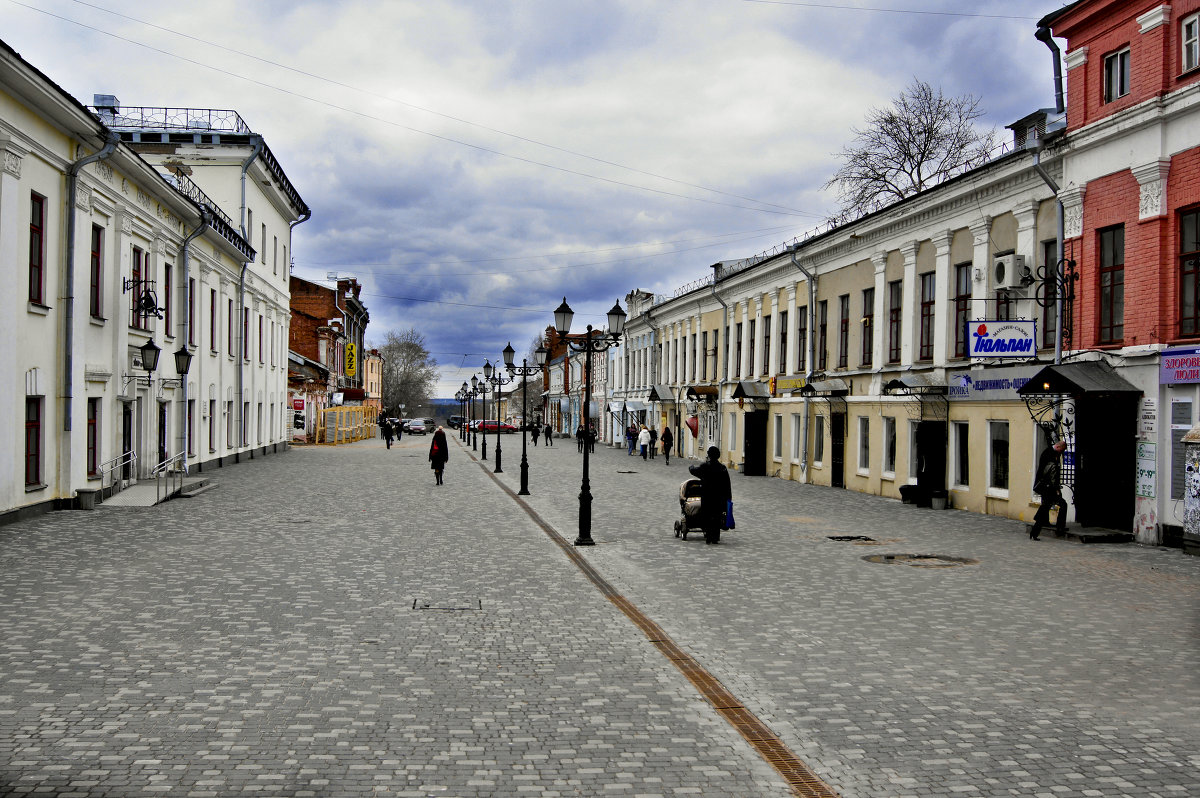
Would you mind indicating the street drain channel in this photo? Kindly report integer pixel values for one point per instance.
(861, 540)
(921, 560)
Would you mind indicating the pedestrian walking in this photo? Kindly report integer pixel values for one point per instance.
(667, 439)
(715, 494)
(388, 434)
(643, 441)
(631, 437)
(1048, 485)
(439, 453)
(591, 439)
(653, 441)
(579, 438)
(533, 433)
(549, 433)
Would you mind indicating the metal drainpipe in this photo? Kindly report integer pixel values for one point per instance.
(1044, 35)
(186, 325)
(68, 299)
(724, 361)
(287, 442)
(243, 323)
(812, 350)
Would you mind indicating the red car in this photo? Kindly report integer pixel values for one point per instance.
(491, 425)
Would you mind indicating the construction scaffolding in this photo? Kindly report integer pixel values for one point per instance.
(346, 424)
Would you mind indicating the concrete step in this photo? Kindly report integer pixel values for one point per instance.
(195, 490)
(1089, 534)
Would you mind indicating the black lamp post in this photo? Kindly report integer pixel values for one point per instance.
(526, 371)
(496, 377)
(588, 346)
(484, 389)
(474, 435)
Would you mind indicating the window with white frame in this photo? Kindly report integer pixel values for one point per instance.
(732, 445)
(819, 441)
(797, 441)
(889, 445)
(962, 453)
(864, 443)
(1116, 75)
(998, 455)
(778, 436)
(1189, 51)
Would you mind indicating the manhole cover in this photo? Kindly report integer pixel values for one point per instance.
(852, 538)
(447, 604)
(921, 560)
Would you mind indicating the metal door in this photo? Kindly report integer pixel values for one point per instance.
(837, 455)
(754, 445)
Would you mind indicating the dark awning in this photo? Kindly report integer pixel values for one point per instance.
(914, 385)
(751, 389)
(695, 392)
(661, 393)
(1077, 379)
(834, 387)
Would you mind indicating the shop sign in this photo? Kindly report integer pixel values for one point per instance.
(994, 338)
(1179, 365)
(782, 385)
(1148, 419)
(988, 385)
(298, 403)
(1147, 468)
(351, 368)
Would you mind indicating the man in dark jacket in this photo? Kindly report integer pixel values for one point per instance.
(1048, 485)
(715, 493)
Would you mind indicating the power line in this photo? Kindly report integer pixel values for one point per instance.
(839, 7)
(409, 128)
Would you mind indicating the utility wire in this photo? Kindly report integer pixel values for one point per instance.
(874, 9)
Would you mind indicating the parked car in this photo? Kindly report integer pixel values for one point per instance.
(491, 424)
(416, 426)
(456, 421)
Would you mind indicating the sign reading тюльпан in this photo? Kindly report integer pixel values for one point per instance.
(994, 338)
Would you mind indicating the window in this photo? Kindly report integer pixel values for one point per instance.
(819, 441)
(263, 246)
(704, 359)
(864, 443)
(694, 355)
(33, 441)
(801, 340)
(258, 423)
(229, 328)
(778, 423)
(212, 425)
(275, 255)
(1049, 293)
(797, 441)
(191, 308)
(737, 351)
(1005, 305)
(97, 272)
(716, 348)
(37, 247)
(998, 455)
(245, 424)
(212, 319)
(889, 445)
(925, 347)
(753, 340)
(822, 335)
(260, 338)
(1190, 50)
(245, 338)
(962, 453)
(191, 424)
(895, 297)
(766, 363)
(1112, 284)
(139, 266)
(783, 332)
(843, 330)
(962, 307)
(868, 326)
(167, 286)
(229, 425)
(733, 417)
(1116, 75)
(1189, 273)
(93, 436)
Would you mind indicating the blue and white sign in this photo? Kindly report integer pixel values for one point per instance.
(1011, 339)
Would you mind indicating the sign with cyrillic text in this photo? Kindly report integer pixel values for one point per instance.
(1009, 339)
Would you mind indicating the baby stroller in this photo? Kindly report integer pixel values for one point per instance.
(689, 504)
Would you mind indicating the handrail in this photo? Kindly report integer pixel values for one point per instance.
(107, 468)
(171, 473)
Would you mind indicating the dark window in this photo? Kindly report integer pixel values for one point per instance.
(843, 330)
(168, 287)
(766, 366)
(962, 307)
(737, 352)
(97, 271)
(868, 326)
(229, 328)
(753, 341)
(191, 308)
(37, 247)
(93, 436)
(801, 340)
(260, 338)
(1189, 273)
(1116, 75)
(139, 317)
(822, 335)
(1112, 284)
(33, 441)
(895, 298)
(245, 345)
(1005, 306)
(925, 349)
(1050, 293)
(191, 425)
(212, 425)
(783, 335)
(212, 319)
(704, 355)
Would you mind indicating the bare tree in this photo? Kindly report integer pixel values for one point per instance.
(409, 371)
(923, 138)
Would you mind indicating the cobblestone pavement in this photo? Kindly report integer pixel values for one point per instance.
(269, 637)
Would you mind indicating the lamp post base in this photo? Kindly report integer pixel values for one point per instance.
(585, 517)
(524, 491)
(498, 469)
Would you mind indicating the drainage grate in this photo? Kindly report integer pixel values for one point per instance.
(921, 560)
(852, 538)
(442, 604)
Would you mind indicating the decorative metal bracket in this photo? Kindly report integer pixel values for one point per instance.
(1055, 414)
(147, 301)
(1064, 285)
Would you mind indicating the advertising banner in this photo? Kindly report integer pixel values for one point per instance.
(1011, 339)
(990, 385)
(1179, 365)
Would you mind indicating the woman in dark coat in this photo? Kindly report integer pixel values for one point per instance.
(667, 439)
(715, 493)
(388, 434)
(533, 433)
(439, 453)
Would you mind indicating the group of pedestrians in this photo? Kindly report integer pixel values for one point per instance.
(547, 432)
(645, 440)
(390, 431)
(585, 438)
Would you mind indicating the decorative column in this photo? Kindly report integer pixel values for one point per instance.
(981, 232)
(909, 327)
(879, 336)
(793, 320)
(943, 331)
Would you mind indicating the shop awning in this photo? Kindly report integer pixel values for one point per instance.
(751, 389)
(661, 393)
(631, 405)
(1077, 379)
(695, 392)
(834, 387)
(915, 385)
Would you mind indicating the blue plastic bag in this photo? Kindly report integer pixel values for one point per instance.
(729, 523)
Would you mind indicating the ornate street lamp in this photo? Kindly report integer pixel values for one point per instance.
(588, 346)
(526, 371)
(484, 389)
(496, 377)
(474, 435)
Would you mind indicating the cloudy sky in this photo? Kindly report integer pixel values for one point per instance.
(473, 161)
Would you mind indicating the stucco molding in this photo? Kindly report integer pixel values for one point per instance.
(1072, 200)
(1154, 18)
(1076, 57)
(1152, 179)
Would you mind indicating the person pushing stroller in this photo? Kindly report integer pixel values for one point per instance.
(715, 493)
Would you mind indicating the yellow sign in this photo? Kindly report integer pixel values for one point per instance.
(351, 360)
(788, 384)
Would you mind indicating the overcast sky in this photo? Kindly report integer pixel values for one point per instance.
(473, 161)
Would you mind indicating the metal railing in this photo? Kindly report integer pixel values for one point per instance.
(108, 467)
(198, 119)
(168, 478)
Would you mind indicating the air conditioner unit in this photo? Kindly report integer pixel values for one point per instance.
(1009, 271)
